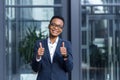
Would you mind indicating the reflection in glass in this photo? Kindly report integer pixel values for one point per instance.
(32, 2)
(32, 13)
(100, 28)
(98, 1)
(101, 48)
(20, 21)
(99, 9)
(36, 13)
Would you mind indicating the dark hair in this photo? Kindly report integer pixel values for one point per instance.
(59, 17)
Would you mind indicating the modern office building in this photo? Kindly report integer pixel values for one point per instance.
(92, 26)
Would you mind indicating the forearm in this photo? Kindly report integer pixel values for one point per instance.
(36, 65)
(68, 65)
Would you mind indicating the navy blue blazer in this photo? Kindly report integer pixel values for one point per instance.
(58, 68)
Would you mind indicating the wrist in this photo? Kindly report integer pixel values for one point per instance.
(38, 56)
(65, 56)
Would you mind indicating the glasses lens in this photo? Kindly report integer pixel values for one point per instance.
(55, 25)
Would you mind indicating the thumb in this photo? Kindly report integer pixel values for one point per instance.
(40, 45)
(63, 44)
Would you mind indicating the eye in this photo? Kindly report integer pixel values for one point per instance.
(55, 25)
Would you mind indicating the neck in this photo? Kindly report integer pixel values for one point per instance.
(53, 39)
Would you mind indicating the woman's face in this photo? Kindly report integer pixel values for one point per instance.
(56, 27)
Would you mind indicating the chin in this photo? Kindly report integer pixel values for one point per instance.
(54, 35)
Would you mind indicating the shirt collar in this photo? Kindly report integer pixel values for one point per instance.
(56, 41)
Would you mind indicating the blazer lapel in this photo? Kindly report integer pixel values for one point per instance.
(47, 50)
(57, 51)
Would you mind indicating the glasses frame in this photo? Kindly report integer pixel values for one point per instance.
(55, 25)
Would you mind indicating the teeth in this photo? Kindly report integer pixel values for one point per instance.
(55, 31)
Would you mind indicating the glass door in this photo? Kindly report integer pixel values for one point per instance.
(100, 42)
(100, 47)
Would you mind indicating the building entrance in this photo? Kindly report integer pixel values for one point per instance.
(100, 47)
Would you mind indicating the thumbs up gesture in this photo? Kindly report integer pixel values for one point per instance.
(63, 50)
(40, 51)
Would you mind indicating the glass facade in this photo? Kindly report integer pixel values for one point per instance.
(33, 2)
(26, 19)
(93, 26)
(100, 39)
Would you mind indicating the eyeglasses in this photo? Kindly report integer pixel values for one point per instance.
(55, 25)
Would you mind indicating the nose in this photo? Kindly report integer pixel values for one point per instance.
(56, 27)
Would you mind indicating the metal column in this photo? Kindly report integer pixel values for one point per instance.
(2, 41)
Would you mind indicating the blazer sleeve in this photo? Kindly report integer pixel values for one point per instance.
(68, 64)
(36, 66)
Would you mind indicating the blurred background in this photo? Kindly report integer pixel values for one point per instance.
(92, 26)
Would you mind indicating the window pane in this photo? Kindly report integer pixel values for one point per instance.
(84, 55)
(100, 10)
(32, 2)
(84, 39)
(32, 13)
(20, 24)
(36, 13)
(98, 1)
(39, 25)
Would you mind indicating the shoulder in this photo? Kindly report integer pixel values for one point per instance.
(67, 42)
(64, 40)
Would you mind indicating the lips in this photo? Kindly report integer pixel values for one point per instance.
(54, 31)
